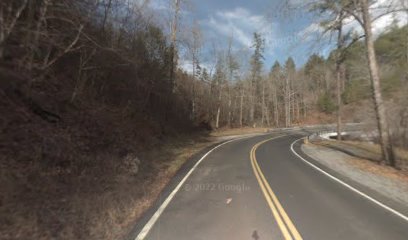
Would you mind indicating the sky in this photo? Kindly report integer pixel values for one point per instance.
(294, 33)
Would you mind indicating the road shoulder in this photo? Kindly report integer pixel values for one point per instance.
(384, 183)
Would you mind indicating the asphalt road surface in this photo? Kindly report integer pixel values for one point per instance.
(258, 188)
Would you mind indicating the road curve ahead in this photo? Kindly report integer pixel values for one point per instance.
(258, 188)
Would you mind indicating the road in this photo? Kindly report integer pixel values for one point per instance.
(258, 188)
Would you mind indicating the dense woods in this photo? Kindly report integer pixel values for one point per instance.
(113, 53)
(84, 78)
(85, 93)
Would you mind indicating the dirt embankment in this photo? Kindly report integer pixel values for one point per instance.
(82, 169)
(366, 150)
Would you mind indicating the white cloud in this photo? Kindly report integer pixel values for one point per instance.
(187, 66)
(310, 30)
(383, 6)
(382, 23)
(229, 28)
(240, 23)
(379, 26)
(159, 5)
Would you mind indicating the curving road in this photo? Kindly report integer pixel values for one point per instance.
(258, 188)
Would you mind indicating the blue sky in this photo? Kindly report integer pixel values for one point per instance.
(282, 31)
(293, 34)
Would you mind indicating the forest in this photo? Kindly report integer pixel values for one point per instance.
(86, 82)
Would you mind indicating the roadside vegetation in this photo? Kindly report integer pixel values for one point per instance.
(97, 113)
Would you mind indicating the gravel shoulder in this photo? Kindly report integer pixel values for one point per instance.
(385, 180)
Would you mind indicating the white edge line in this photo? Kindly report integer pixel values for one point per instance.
(349, 186)
(143, 233)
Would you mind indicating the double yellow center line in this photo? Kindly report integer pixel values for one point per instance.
(285, 224)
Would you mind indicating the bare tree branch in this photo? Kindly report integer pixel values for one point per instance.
(69, 48)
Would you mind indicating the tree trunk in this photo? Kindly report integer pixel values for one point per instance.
(105, 16)
(267, 114)
(292, 111)
(252, 109)
(263, 104)
(78, 82)
(268, 122)
(193, 92)
(241, 108)
(1, 51)
(173, 48)
(385, 141)
(339, 74)
(217, 118)
(229, 107)
(276, 109)
(292, 103)
(2, 35)
(304, 110)
(287, 102)
(7, 28)
(289, 109)
(338, 86)
(34, 45)
(193, 109)
(298, 110)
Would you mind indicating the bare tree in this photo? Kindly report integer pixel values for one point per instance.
(241, 105)
(194, 48)
(84, 58)
(107, 9)
(335, 24)
(275, 77)
(38, 30)
(50, 60)
(256, 68)
(339, 68)
(173, 44)
(219, 79)
(232, 67)
(360, 10)
(288, 93)
(10, 12)
(264, 105)
(385, 140)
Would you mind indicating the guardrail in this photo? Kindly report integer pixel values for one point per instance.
(316, 131)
